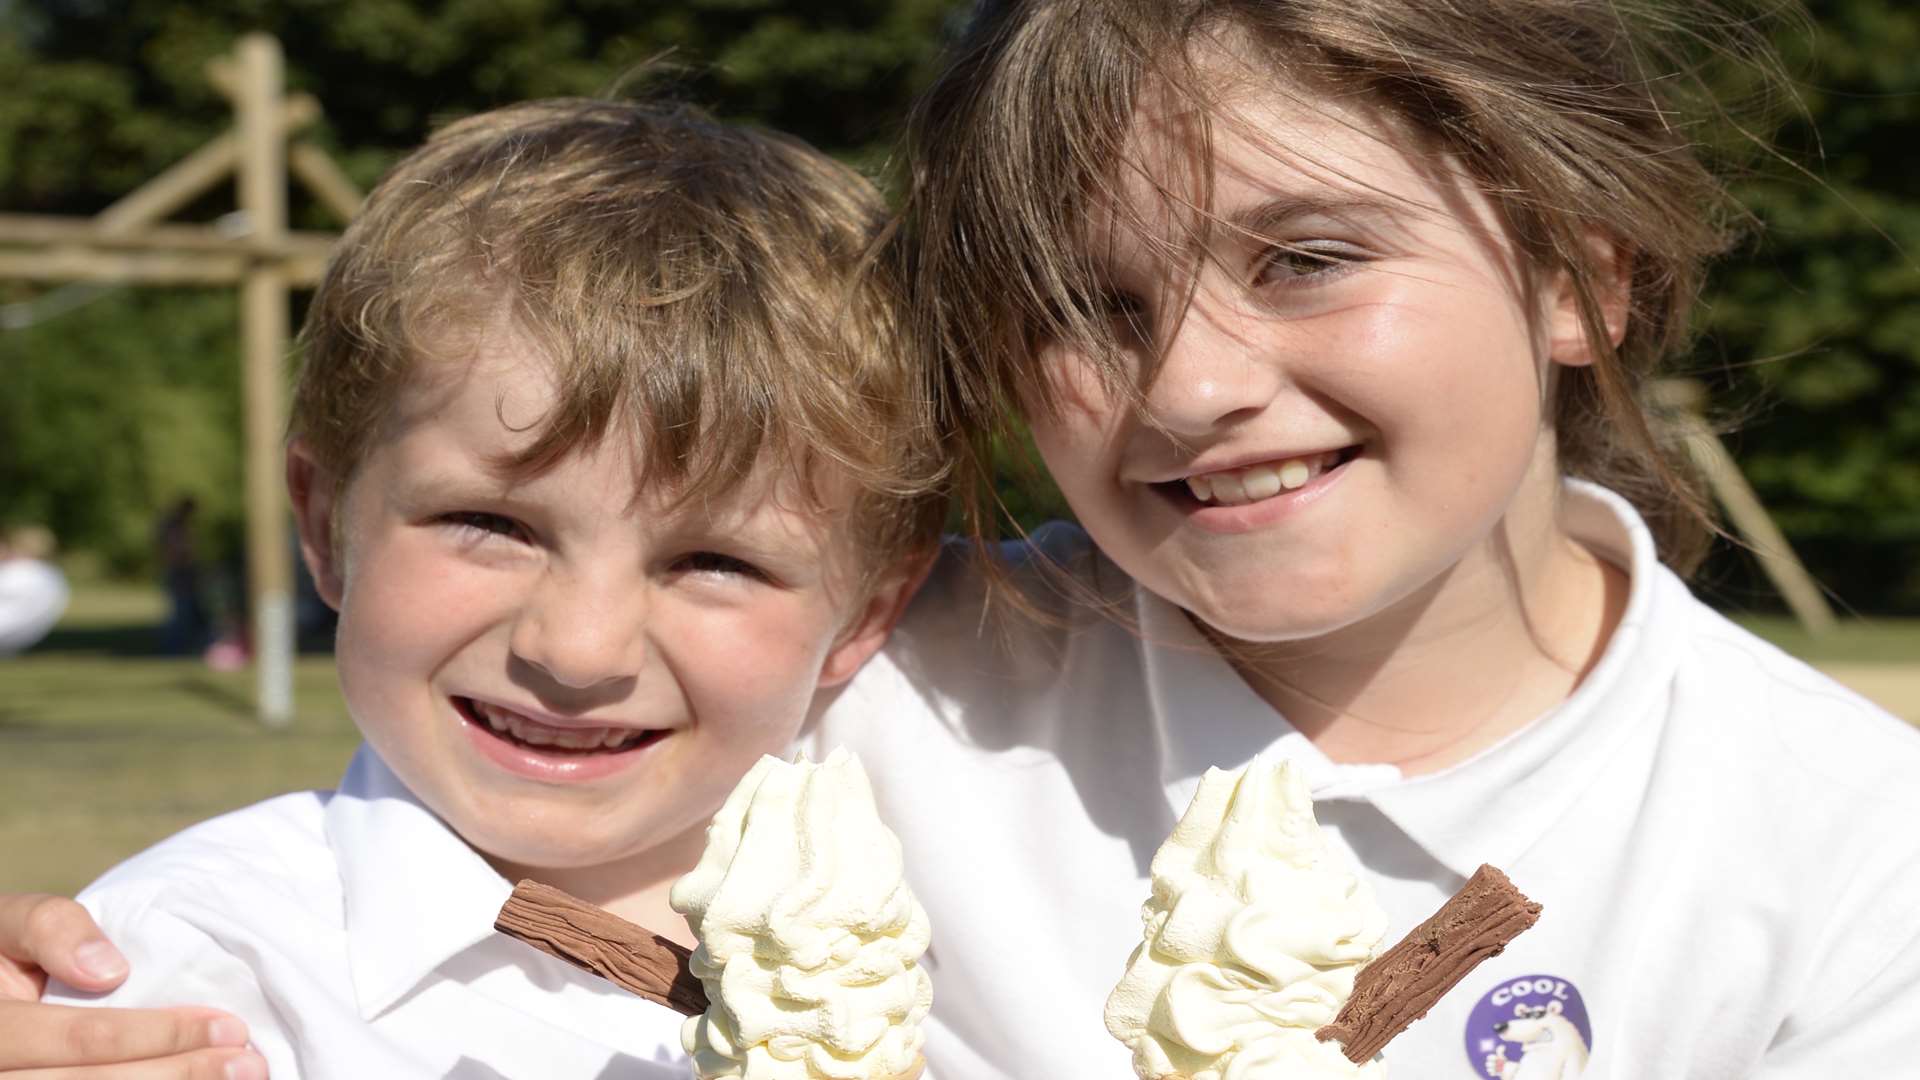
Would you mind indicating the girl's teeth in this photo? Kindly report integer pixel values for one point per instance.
(1263, 482)
(1257, 482)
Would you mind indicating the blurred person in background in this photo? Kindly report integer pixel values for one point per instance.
(33, 592)
(185, 630)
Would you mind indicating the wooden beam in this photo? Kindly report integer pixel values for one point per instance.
(1687, 399)
(122, 267)
(51, 230)
(149, 267)
(321, 176)
(193, 175)
(265, 342)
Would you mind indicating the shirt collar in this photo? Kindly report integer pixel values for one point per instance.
(1493, 807)
(416, 895)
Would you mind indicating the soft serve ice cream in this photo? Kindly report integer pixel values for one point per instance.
(1253, 937)
(809, 938)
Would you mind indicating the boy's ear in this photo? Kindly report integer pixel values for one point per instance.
(875, 621)
(1612, 288)
(311, 490)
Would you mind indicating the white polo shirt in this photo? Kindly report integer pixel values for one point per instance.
(353, 932)
(1724, 840)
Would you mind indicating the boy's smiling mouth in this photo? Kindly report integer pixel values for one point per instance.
(528, 733)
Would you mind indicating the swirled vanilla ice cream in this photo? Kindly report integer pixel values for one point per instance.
(1253, 937)
(809, 938)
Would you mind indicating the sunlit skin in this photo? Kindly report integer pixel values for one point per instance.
(573, 598)
(1419, 599)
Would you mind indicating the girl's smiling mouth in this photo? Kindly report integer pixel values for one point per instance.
(1259, 482)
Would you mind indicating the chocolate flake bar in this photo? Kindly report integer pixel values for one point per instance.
(629, 956)
(1404, 982)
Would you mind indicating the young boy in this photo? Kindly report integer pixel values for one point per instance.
(605, 454)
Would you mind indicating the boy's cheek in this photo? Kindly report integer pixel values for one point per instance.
(770, 656)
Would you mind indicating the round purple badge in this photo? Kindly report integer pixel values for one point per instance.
(1532, 1026)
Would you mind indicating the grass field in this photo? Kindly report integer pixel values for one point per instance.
(105, 749)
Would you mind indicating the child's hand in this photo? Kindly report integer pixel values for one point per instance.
(50, 934)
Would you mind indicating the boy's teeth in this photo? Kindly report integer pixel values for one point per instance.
(508, 722)
(1257, 482)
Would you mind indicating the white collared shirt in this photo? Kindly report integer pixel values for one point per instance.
(1723, 839)
(353, 932)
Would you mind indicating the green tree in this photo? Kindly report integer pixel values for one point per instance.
(1814, 327)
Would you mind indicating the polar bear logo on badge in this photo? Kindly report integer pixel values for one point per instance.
(1551, 1048)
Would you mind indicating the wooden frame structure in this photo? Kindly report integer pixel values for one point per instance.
(128, 244)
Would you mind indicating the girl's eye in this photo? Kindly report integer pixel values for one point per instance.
(478, 524)
(1117, 308)
(713, 562)
(1319, 259)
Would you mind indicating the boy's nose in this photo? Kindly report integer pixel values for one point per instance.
(583, 631)
(1213, 373)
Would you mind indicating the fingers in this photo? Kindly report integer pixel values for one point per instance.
(51, 935)
(228, 1064)
(34, 1036)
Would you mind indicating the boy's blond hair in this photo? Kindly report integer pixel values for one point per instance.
(700, 286)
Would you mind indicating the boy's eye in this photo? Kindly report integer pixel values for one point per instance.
(479, 524)
(1294, 262)
(713, 562)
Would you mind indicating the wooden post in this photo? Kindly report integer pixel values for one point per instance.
(1687, 399)
(265, 339)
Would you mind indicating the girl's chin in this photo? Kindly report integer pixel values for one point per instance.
(1271, 621)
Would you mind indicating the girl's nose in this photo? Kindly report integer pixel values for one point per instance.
(1213, 373)
(583, 630)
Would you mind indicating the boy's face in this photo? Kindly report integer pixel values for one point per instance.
(565, 670)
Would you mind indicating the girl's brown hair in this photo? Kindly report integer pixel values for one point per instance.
(1578, 118)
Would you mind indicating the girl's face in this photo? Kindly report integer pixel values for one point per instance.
(1347, 416)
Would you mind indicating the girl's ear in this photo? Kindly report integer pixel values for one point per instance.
(1612, 289)
(875, 621)
(311, 490)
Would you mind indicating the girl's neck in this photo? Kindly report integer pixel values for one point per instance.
(1501, 638)
(634, 888)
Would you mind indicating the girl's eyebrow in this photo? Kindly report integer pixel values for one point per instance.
(1267, 216)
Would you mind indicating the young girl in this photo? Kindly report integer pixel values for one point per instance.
(1331, 318)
